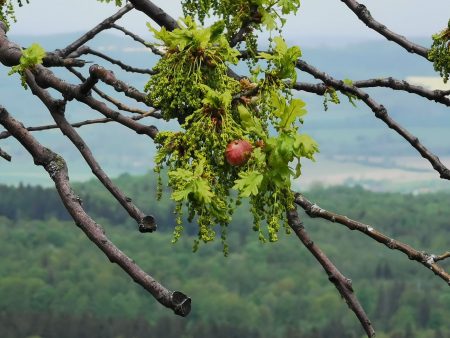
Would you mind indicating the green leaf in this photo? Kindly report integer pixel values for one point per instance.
(280, 45)
(249, 183)
(268, 21)
(33, 55)
(203, 191)
(305, 146)
(249, 123)
(292, 112)
(266, 56)
(245, 116)
(278, 102)
(217, 30)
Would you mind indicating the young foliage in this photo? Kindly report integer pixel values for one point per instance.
(236, 14)
(117, 2)
(7, 10)
(31, 57)
(194, 57)
(440, 53)
(239, 139)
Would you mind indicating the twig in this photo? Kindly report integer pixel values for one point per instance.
(56, 167)
(146, 223)
(381, 113)
(108, 77)
(125, 67)
(115, 102)
(137, 38)
(54, 60)
(5, 155)
(433, 95)
(364, 15)
(6, 134)
(341, 283)
(427, 260)
(105, 24)
(441, 257)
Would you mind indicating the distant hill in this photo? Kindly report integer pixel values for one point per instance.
(341, 131)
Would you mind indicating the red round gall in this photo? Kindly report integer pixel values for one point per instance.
(238, 152)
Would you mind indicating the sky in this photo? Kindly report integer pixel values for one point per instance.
(318, 21)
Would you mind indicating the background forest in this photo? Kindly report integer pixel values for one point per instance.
(53, 283)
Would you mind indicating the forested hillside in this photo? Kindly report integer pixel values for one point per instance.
(54, 283)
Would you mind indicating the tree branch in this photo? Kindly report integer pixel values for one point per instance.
(57, 169)
(138, 39)
(364, 15)
(117, 103)
(105, 24)
(146, 223)
(381, 113)
(108, 77)
(6, 134)
(155, 13)
(427, 260)
(433, 95)
(5, 155)
(125, 67)
(342, 284)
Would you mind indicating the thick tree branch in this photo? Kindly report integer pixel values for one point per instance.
(364, 15)
(57, 170)
(427, 260)
(155, 13)
(341, 283)
(381, 113)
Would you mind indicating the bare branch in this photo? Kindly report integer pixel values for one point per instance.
(53, 60)
(441, 257)
(5, 155)
(433, 95)
(105, 24)
(155, 13)
(364, 15)
(115, 102)
(108, 77)
(6, 134)
(427, 260)
(57, 170)
(137, 38)
(315, 88)
(125, 67)
(146, 223)
(341, 283)
(381, 113)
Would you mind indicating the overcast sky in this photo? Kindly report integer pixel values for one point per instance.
(327, 19)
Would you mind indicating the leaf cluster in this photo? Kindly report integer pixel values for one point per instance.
(7, 11)
(194, 56)
(117, 2)
(31, 57)
(440, 53)
(216, 113)
(236, 14)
